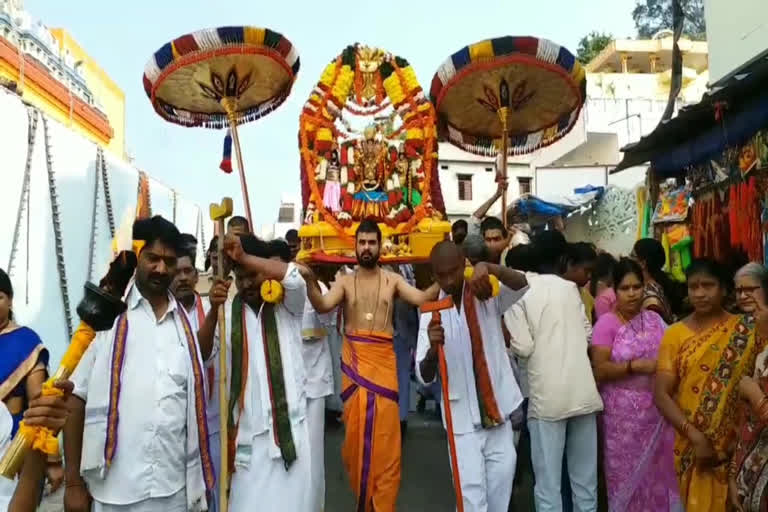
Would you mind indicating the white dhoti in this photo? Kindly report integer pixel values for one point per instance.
(266, 485)
(173, 503)
(316, 427)
(487, 460)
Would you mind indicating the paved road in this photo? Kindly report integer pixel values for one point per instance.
(426, 477)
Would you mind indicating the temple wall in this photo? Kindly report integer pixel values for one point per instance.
(33, 267)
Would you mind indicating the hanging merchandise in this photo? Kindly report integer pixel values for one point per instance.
(754, 154)
(710, 226)
(679, 239)
(644, 213)
(744, 214)
(672, 205)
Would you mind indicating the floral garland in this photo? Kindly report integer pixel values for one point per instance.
(317, 131)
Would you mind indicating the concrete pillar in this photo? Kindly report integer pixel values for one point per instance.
(624, 63)
(653, 60)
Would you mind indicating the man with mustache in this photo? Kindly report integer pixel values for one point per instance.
(267, 399)
(371, 448)
(137, 437)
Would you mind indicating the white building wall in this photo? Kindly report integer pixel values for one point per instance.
(483, 186)
(33, 271)
(737, 31)
(628, 118)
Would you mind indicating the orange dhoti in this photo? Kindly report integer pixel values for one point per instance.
(371, 448)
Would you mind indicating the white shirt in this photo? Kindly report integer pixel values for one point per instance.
(6, 425)
(465, 408)
(256, 417)
(550, 333)
(150, 460)
(315, 350)
(211, 368)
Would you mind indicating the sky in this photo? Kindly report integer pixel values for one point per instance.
(121, 36)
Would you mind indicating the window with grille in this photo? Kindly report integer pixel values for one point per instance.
(465, 187)
(524, 185)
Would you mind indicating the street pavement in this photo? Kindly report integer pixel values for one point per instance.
(426, 474)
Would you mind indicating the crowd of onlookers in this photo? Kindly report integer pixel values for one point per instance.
(642, 392)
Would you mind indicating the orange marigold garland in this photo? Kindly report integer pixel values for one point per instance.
(341, 87)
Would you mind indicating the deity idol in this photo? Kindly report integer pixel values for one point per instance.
(368, 176)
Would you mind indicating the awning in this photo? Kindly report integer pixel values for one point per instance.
(728, 115)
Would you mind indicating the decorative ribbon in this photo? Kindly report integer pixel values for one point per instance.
(281, 422)
(226, 159)
(239, 371)
(118, 357)
(490, 415)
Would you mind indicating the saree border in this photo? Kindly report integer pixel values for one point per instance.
(20, 372)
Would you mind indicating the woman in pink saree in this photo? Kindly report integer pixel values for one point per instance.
(637, 441)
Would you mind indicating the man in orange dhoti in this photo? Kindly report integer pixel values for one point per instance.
(371, 448)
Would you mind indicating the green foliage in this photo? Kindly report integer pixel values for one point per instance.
(591, 45)
(652, 16)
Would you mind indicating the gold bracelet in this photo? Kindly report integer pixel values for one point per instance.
(685, 428)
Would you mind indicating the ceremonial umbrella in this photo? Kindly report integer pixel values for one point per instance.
(508, 96)
(222, 77)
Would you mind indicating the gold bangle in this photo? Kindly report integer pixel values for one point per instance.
(685, 428)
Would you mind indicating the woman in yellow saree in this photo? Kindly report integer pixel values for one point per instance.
(701, 361)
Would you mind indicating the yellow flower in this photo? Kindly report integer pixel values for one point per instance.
(495, 286)
(414, 133)
(324, 134)
(343, 84)
(424, 106)
(409, 77)
(328, 74)
(394, 89)
(271, 291)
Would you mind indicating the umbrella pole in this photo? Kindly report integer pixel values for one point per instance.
(230, 105)
(503, 116)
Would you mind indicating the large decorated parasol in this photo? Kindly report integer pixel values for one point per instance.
(222, 77)
(530, 89)
(216, 78)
